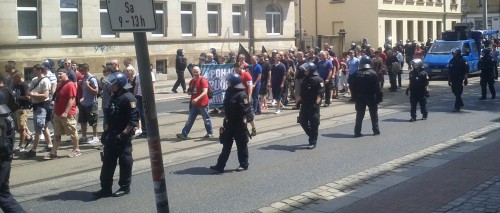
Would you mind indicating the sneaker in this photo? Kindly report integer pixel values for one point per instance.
(241, 168)
(254, 132)
(75, 153)
(217, 169)
(18, 149)
(50, 156)
(42, 137)
(277, 111)
(182, 136)
(95, 140)
(413, 119)
(83, 140)
(311, 146)
(209, 136)
(30, 154)
(46, 149)
(174, 91)
(138, 132)
(273, 103)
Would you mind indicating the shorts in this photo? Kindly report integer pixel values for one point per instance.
(263, 88)
(335, 82)
(39, 119)
(64, 126)
(298, 87)
(277, 91)
(343, 80)
(21, 118)
(88, 114)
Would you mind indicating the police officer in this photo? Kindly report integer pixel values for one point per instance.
(419, 80)
(7, 135)
(236, 116)
(122, 118)
(458, 70)
(487, 65)
(367, 89)
(312, 92)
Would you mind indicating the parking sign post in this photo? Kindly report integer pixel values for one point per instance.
(138, 16)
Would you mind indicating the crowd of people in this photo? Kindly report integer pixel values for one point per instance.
(65, 96)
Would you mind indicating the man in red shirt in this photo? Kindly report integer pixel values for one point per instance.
(246, 80)
(64, 120)
(198, 89)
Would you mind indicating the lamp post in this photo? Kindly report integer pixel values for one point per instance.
(342, 38)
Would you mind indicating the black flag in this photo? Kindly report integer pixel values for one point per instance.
(242, 50)
(264, 50)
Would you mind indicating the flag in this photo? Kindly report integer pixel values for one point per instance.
(242, 50)
(264, 50)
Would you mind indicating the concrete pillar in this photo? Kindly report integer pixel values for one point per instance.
(50, 19)
(8, 20)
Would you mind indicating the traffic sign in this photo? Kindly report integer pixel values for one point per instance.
(132, 15)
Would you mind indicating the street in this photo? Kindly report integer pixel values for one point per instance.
(280, 166)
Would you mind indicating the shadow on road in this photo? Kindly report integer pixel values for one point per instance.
(397, 120)
(338, 135)
(83, 196)
(291, 148)
(199, 171)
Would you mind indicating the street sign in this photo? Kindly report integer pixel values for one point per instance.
(132, 15)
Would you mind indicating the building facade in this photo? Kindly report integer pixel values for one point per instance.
(378, 20)
(473, 13)
(34, 30)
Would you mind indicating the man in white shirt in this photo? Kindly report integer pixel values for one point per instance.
(138, 95)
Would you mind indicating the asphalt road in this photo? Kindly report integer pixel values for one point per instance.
(283, 168)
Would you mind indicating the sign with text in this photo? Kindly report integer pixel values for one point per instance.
(216, 76)
(132, 15)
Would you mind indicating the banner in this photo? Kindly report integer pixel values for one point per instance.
(216, 76)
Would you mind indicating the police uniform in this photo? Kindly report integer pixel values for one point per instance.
(7, 135)
(237, 113)
(458, 69)
(309, 116)
(418, 92)
(121, 113)
(368, 93)
(487, 65)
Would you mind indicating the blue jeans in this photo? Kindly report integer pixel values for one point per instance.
(193, 113)
(255, 99)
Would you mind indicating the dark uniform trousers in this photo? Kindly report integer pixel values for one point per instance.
(309, 120)
(238, 132)
(328, 89)
(457, 87)
(180, 80)
(360, 114)
(7, 202)
(112, 153)
(490, 81)
(418, 98)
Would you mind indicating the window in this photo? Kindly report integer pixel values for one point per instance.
(106, 30)
(213, 19)
(273, 20)
(237, 20)
(159, 11)
(187, 19)
(70, 24)
(27, 19)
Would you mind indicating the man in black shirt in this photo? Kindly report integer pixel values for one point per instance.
(21, 90)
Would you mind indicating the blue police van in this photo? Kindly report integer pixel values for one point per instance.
(468, 41)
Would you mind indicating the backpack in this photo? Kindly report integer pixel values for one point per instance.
(7, 133)
(210, 92)
(99, 86)
(11, 100)
(395, 67)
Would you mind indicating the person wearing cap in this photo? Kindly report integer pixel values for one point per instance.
(39, 90)
(198, 89)
(122, 118)
(367, 91)
(489, 71)
(312, 93)
(180, 67)
(236, 116)
(20, 115)
(7, 136)
(64, 118)
(47, 71)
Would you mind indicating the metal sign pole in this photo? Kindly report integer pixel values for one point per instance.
(156, 158)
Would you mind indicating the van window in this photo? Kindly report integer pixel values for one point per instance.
(466, 49)
(474, 47)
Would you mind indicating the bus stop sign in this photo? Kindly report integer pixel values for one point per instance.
(132, 15)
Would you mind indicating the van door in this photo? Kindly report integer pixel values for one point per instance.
(471, 55)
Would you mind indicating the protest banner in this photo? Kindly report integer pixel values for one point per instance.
(216, 76)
